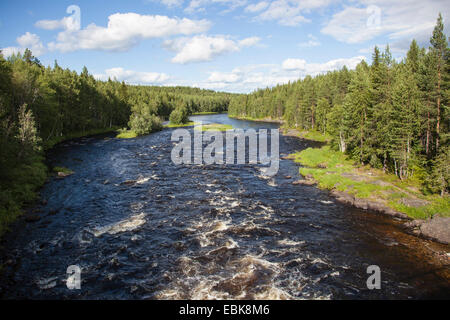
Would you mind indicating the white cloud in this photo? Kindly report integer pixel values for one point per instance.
(66, 23)
(204, 48)
(135, 77)
(249, 78)
(124, 30)
(172, 3)
(290, 12)
(199, 5)
(312, 42)
(257, 6)
(28, 40)
(294, 64)
(317, 68)
(368, 19)
(249, 42)
(224, 77)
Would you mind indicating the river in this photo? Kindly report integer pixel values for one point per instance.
(204, 232)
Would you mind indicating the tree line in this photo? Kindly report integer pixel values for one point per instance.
(391, 115)
(41, 106)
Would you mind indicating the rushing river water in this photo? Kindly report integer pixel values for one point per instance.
(205, 232)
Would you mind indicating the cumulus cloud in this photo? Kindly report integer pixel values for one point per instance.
(124, 30)
(204, 48)
(28, 40)
(135, 77)
(368, 19)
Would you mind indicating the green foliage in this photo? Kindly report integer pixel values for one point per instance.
(332, 169)
(62, 169)
(144, 123)
(40, 107)
(391, 115)
(179, 116)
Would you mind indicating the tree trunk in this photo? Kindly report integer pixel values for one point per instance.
(427, 145)
(438, 117)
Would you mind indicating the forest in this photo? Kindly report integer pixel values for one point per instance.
(41, 106)
(391, 115)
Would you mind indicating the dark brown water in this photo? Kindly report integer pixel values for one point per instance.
(205, 232)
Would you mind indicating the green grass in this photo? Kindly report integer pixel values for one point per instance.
(327, 167)
(266, 119)
(315, 136)
(126, 134)
(205, 113)
(215, 127)
(62, 169)
(173, 125)
(438, 205)
(20, 189)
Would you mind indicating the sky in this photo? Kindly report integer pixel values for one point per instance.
(223, 45)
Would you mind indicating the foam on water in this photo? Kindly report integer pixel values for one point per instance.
(129, 224)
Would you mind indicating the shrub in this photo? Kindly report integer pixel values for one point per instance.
(144, 123)
(179, 116)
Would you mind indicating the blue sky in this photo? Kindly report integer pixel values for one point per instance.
(226, 45)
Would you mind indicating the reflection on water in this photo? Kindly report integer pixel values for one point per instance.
(141, 227)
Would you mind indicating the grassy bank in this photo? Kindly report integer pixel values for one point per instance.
(75, 135)
(173, 125)
(267, 119)
(205, 113)
(332, 169)
(215, 127)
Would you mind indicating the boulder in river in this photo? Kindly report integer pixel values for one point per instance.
(64, 174)
(128, 182)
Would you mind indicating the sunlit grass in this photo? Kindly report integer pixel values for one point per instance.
(205, 113)
(55, 140)
(62, 169)
(173, 125)
(126, 134)
(332, 169)
(214, 127)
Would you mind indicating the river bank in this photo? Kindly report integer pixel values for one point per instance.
(22, 191)
(426, 216)
(142, 227)
(368, 188)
